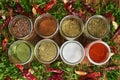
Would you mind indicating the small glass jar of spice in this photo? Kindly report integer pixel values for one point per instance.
(71, 27)
(46, 51)
(21, 27)
(46, 26)
(97, 27)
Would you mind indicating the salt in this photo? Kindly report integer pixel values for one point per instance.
(72, 52)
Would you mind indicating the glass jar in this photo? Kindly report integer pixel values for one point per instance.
(21, 52)
(71, 27)
(46, 25)
(72, 52)
(46, 51)
(21, 27)
(96, 27)
(98, 52)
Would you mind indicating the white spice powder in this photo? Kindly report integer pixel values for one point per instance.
(72, 52)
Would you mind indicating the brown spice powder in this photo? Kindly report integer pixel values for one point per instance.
(47, 26)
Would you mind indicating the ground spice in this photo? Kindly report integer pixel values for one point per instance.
(97, 27)
(71, 27)
(20, 27)
(47, 26)
(47, 51)
(98, 52)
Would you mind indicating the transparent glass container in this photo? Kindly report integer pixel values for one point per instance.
(90, 46)
(97, 27)
(21, 52)
(21, 27)
(71, 27)
(46, 51)
(45, 21)
(72, 52)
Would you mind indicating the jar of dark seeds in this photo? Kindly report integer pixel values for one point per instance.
(20, 27)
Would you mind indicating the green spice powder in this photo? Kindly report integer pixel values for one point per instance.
(97, 27)
(71, 27)
(47, 51)
(21, 53)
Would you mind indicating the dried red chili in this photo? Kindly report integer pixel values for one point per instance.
(49, 5)
(111, 68)
(68, 6)
(109, 16)
(6, 22)
(7, 78)
(89, 8)
(38, 9)
(20, 67)
(19, 9)
(57, 76)
(114, 49)
(4, 44)
(25, 73)
(94, 74)
(53, 70)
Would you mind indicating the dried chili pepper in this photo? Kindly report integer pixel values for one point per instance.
(94, 74)
(111, 68)
(89, 8)
(7, 78)
(114, 49)
(57, 76)
(68, 6)
(38, 9)
(26, 73)
(109, 16)
(19, 9)
(6, 22)
(4, 44)
(53, 70)
(49, 5)
(20, 67)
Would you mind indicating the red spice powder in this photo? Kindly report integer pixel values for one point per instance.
(98, 52)
(47, 26)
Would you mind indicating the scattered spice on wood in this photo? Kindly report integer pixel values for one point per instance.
(47, 26)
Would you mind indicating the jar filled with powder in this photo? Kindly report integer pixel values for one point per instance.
(97, 27)
(71, 27)
(46, 51)
(46, 26)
